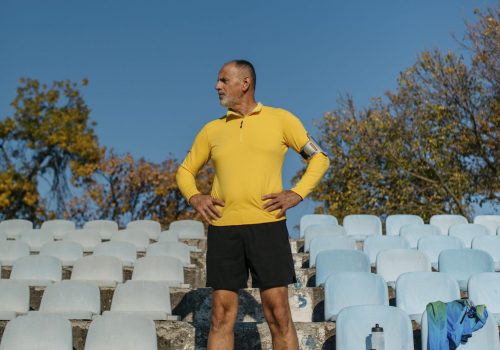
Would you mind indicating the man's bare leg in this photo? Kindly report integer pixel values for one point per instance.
(279, 318)
(224, 313)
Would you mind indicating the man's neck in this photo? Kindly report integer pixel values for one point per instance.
(244, 107)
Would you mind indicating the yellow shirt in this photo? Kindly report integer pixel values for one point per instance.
(248, 153)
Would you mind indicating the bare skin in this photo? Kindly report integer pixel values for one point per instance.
(224, 313)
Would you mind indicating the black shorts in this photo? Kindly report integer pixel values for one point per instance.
(262, 249)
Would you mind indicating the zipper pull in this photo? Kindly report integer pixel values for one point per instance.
(241, 125)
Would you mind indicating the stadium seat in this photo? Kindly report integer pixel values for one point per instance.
(328, 242)
(125, 251)
(104, 227)
(3, 236)
(461, 264)
(394, 222)
(484, 289)
(313, 231)
(67, 252)
(491, 222)
(444, 221)
(361, 226)
(35, 238)
(160, 269)
(412, 233)
(177, 250)
(105, 271)
(433, 245)
(151, 227)
(11, 228)
(142, 298)
(414, 290)
(375, 244)
(58, 227)
(168, 236)
(188, 229)
(344, 289)
(10, 251)
(392, 263)
(37, 270)
(121, 332)
(354, 324)
(333, 261)
(315, 219)
(88, 238)
(491, 245)
(467, 232)
(74, 300)
(138, 237)
(15, 299)
(482, 339)
(37, 331)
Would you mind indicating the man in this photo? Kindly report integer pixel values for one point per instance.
(247, 205)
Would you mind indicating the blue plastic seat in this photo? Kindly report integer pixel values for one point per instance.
(316, 219)
(491, 245)
(491, 222)
(413, 232)
(393, 223)
(484, 288)
(313, 231)
(329, 242)
(336, 260)
(360, 226)
(444, 221)
(392, 263)
(433, 245)
(467, 232)
(375, 244)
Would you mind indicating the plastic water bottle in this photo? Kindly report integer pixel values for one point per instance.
(378, 338)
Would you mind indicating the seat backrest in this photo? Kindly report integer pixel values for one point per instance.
(121, 332)
(413, 232)
(177, 250)
(433, 245)
(467, 232)
(491, 222)
(394, 222)
(66, 251)
(88, 238)
(15, 296)
(329, 242)
(313, 231)
(103, 270)
(362, 225)
(484, 288)
(354, 324)
(11, 228)
(353, 288)
(58, 227)
(104, 227)
(159, 268)
(36, 238)
(168, 236)
(130, 296)
(37, 331)
(315, 219)
(375, 244)
(414, 290)
(392, 263)
(125, 251)
(71, 296)
(10, 251)
(188, 229)
(490, 244)
(444, 221)
(138, 237)
(152, 228)
(337, 260)
(37, 268)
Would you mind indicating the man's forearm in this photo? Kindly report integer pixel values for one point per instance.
(186, 182)
(316, 168)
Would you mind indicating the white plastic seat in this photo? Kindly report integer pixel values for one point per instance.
(105, 271)
(74, 300)
(491, 245)
(315, 219)
(467, 232)
(121, 332)
(484, 289)
(144, 298)
(393, 223)
(67, 252)
(433, 245)
(412, 233)
(329, 242)
(375, 244)
(15, 299)
(10, 251)
(333, 261)
(58, 227)
(414, 290)
(392, 263)
(151, 227)
(177, 250)
(40, 332)
(168, 236)
(188, 229)
(36, 238)
(37, 270)
(361, 226)
(125, 251)
(3, 236)
(482, 339)
(491, 222)
(11, 228)
(461, 264)
(313, 231)
(104, 227)
(160, 269)
(138, 237)
(444, 221)
(89, 239)
(353, 288)
(354, 324)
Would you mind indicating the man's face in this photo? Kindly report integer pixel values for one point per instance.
(230, 85)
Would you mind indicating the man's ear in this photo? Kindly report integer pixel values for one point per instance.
(246, 84)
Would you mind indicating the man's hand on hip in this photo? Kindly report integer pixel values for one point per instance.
(282, 200)
(205, 205)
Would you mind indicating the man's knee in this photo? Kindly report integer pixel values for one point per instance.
(277, 312)
(224, 311)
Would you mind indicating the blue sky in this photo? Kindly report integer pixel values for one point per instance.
(152, 65)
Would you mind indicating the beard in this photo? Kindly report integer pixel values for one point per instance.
(226, 101)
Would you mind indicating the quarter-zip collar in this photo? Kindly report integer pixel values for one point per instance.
(230, 114)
